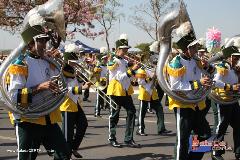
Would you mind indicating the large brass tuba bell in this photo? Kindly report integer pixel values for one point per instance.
(170, 22)
(52, 12)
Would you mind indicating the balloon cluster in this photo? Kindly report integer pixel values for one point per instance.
(213, 40)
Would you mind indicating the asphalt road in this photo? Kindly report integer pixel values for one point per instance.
(95, 145)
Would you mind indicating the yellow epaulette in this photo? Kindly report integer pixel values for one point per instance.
(175, 68)
(221, 70)
(18, 69)
(176, 72)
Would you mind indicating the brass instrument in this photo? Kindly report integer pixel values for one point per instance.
(221, 96)
(224, 97)
(89, 76)
(102, 83)
(52, 13)
(170, 22)
(82, 68)
(145, 60)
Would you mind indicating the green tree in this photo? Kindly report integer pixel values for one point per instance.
(144, 47)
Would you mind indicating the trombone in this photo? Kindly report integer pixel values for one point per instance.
(145, 60)
(91, 77)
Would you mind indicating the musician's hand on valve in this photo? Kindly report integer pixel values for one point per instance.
(206, 81)
(54, 53)
(136, 66)
(48, 85)
(86, 85)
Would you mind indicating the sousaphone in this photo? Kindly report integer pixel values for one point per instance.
(52, 12)
(169, 22)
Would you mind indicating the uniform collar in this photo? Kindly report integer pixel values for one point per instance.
(30, 54)
(102, 64)
(185, 57)
(118, 57)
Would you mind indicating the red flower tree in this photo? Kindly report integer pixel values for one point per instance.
(79, 15)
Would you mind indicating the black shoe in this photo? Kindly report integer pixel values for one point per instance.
(217, 157)
(50, 153)
(164, 132)
(141, 133)
(115, 144)
(106, 107)
(132, 144)
(76, 154)
(85, 99)
(237, 155)
(97, 115)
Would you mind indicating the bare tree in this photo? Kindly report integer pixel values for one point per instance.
(148, 15)
(107, 16)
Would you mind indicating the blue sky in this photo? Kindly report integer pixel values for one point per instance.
(204, 14)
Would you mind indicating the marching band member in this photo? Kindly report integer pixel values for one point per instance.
(227, 81)
(72, 112)
(102, 70)
(208, 48)
(203, 54)
(30, 76)
(148, 97)
(91, 62)
(120, 91)
(185, 74)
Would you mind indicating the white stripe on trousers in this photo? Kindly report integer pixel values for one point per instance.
(96, 111)
(219, 118)
(109, 124)
(140, 116)
(178, 134)
(65, 125)
(17, 136)
(219, 122)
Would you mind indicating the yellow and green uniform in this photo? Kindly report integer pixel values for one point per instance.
(102, 71)
(120, 90)
(184, 75)
(75, 123)
(148, 97)
(225, 78)
(119, 78)
(25, 73)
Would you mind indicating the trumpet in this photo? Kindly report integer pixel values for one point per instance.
(145, 60)
(93, 78)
